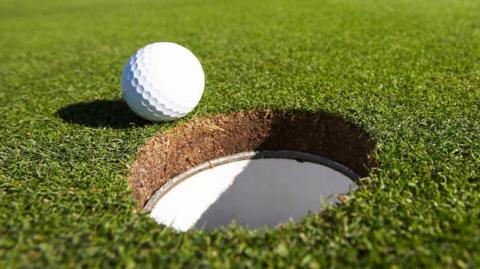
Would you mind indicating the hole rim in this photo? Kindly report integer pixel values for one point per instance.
(201, 139)
(249, 155)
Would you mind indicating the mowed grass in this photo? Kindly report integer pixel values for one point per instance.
(406, 71)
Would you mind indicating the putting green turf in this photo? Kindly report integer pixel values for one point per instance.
(406, 71)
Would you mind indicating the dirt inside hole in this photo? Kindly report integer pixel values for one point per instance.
(202, 139)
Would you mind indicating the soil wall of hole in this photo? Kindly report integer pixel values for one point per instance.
(205, 138)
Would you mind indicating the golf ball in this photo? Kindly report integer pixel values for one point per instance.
(162, 81)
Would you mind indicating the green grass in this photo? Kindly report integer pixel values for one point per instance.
(406, 71)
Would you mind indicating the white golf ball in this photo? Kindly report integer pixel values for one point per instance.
(163, 81)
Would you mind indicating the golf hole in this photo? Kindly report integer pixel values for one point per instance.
(254, 189)
(255, 168)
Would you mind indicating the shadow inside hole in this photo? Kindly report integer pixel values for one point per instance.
(101, 113)
(322, 134)
(268, 192)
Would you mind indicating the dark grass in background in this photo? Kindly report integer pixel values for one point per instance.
(407, 72)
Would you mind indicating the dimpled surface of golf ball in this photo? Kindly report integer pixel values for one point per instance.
(162, 82)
